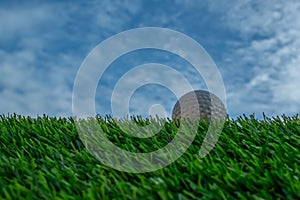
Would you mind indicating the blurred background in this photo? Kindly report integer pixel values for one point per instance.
(255, 44)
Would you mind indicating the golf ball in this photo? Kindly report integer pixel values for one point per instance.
(199, 104)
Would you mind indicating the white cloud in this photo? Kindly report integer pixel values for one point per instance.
(270, 48)
(42, 46)
(22, 21)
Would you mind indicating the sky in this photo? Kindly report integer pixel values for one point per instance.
(255, 45)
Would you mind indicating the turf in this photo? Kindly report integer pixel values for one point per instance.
(44, 158)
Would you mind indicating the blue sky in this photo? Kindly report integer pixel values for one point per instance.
(255, 44)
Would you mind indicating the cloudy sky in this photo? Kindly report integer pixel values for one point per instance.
(255, 45)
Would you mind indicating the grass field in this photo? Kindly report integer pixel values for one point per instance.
(44, 158)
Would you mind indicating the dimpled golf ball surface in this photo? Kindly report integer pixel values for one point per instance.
(197, 105)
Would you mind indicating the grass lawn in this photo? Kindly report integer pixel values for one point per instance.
(44, 158)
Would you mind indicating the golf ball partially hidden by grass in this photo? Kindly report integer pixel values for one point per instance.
(197, 105)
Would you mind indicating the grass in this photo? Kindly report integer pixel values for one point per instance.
(44, 158)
